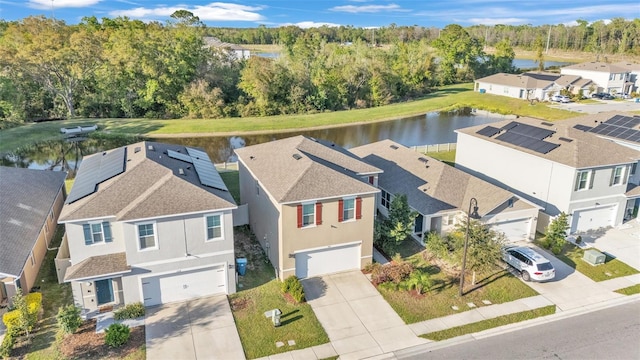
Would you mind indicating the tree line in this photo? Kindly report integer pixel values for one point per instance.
(128, 68)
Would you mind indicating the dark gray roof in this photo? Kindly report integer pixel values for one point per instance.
(96, 266)
(431, 186)
(300, 168)
(150, 186)
(26, 197)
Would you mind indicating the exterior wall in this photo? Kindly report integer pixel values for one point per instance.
(330, 232)
(84, 294)
(79, 251)
(502, 90)
(600, 78)
(536, 179)
(264, 215)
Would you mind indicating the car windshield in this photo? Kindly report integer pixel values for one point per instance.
(545, 266)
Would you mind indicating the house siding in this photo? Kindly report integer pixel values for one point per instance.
(78, 251)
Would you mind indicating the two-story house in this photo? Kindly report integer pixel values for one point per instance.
(30, 203)
(560, 166)
(311, 205)
(148, 222)
(609, 78)
(441, 194)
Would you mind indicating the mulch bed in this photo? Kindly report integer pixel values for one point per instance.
(87, 344)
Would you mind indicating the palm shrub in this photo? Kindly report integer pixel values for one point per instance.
(130, 311)
(418, 280)
(117, 335)
(69, 318)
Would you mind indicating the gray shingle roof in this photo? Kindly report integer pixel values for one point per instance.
(322, 169)
(150, 186)
(531, 80)
(98, 266)
(585, 151)
(26, 197)
(431, 187)
(598, 66)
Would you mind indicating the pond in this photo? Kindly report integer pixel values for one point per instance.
(531, 64)
(428, 129)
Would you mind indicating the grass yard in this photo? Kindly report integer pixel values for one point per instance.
(630, 290)
(447, 98)
(448, 157)
(232, 180)
(490, 323)
(257, 333)
(612, 268)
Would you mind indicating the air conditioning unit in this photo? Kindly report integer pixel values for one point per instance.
(594, 257)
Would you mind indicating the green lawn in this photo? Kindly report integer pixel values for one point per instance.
(490, 323)
(498, 287)
(447, 98)
(232, 180)
(630, 290)
(448, 157)
(257, 333)
(612, 268)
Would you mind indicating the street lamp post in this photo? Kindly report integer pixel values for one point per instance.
(473, 204)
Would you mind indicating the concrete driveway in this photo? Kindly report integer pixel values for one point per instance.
(358, 321)
(601, 106)
(622, 242)
(197, 329)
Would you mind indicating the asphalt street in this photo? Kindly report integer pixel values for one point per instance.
(612, 333)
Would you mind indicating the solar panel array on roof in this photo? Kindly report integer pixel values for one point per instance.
(618, 132)
(527, 142)
(207, 173)
(528, 130)
(582, 127)
(488, 131)
(94, 170)
(179, 156)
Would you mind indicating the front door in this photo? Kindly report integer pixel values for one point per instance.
(104, 291)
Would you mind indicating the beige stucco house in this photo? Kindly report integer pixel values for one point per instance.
(533, 85)
(311, 205)
(30, 203)
(609, 78)
(148, 222)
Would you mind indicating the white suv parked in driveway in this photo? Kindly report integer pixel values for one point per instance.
(529, 263)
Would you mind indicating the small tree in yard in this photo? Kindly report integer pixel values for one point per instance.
(483, 251)
(25, 319)
(391, 232)
(69, 318)
(556, 235)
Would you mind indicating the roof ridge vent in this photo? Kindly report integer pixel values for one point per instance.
(423, 159)
(297, 156)
(394, 147)
(565, 139)
(181, 171)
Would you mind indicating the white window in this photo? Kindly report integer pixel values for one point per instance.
(633, 168)
(616, 175)
(147, 236)
(450, 219)
(214, 227)
(612, 76)
(96, 233)
(505, 90)
(348, 209)
(582, 180)
(308, 214)
(385, 199)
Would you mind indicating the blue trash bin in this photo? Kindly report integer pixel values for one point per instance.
(638, 100)
(241, 266)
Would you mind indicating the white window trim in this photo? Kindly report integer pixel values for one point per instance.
(621, 179)
(91, 223)
(206, 228)
(155, 235)
(586, 182)
(382, 199)
(354, 209)
(313, 223)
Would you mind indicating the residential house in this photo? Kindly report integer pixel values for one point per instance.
(236, 51)
(609, 78)
(30, 203)
(532, 85)
(560, 166)
(634, 74)
(441, 194)
(311, 205)
(148, 222)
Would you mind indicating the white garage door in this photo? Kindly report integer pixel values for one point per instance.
(514, 230)
(592, 219)
(184, 285)
(327, 261)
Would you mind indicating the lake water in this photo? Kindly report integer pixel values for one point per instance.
(428, 129)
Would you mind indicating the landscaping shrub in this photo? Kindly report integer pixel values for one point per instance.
(117, 335)
(555, 238)
(419, 281)
(394, 272)
(7, 344)
(25, 313)
(293, 287)
(130, 311)
(69, 318)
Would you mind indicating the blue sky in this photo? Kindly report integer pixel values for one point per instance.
(358, 13)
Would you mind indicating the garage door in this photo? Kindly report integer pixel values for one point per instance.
(592, 219)
(326, 261)
(514, 230)
(184, 285)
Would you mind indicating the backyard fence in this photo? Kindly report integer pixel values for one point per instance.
(434, 148)
(227, 166)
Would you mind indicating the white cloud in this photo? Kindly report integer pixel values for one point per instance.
(310, 24)
(211, 12)
(47, 4)
(494, 21)
(367, 8)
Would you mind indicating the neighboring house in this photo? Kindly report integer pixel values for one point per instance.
(634, 74)
(148, 222)
(559, 166)
(441, 193)
(237, 51)
(532, 85)
(311, 205)
(30, 203)
(609, 78)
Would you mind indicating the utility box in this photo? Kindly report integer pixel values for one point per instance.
(274, 315)
(594, 257)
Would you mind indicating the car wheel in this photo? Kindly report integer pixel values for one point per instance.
(526, 276)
